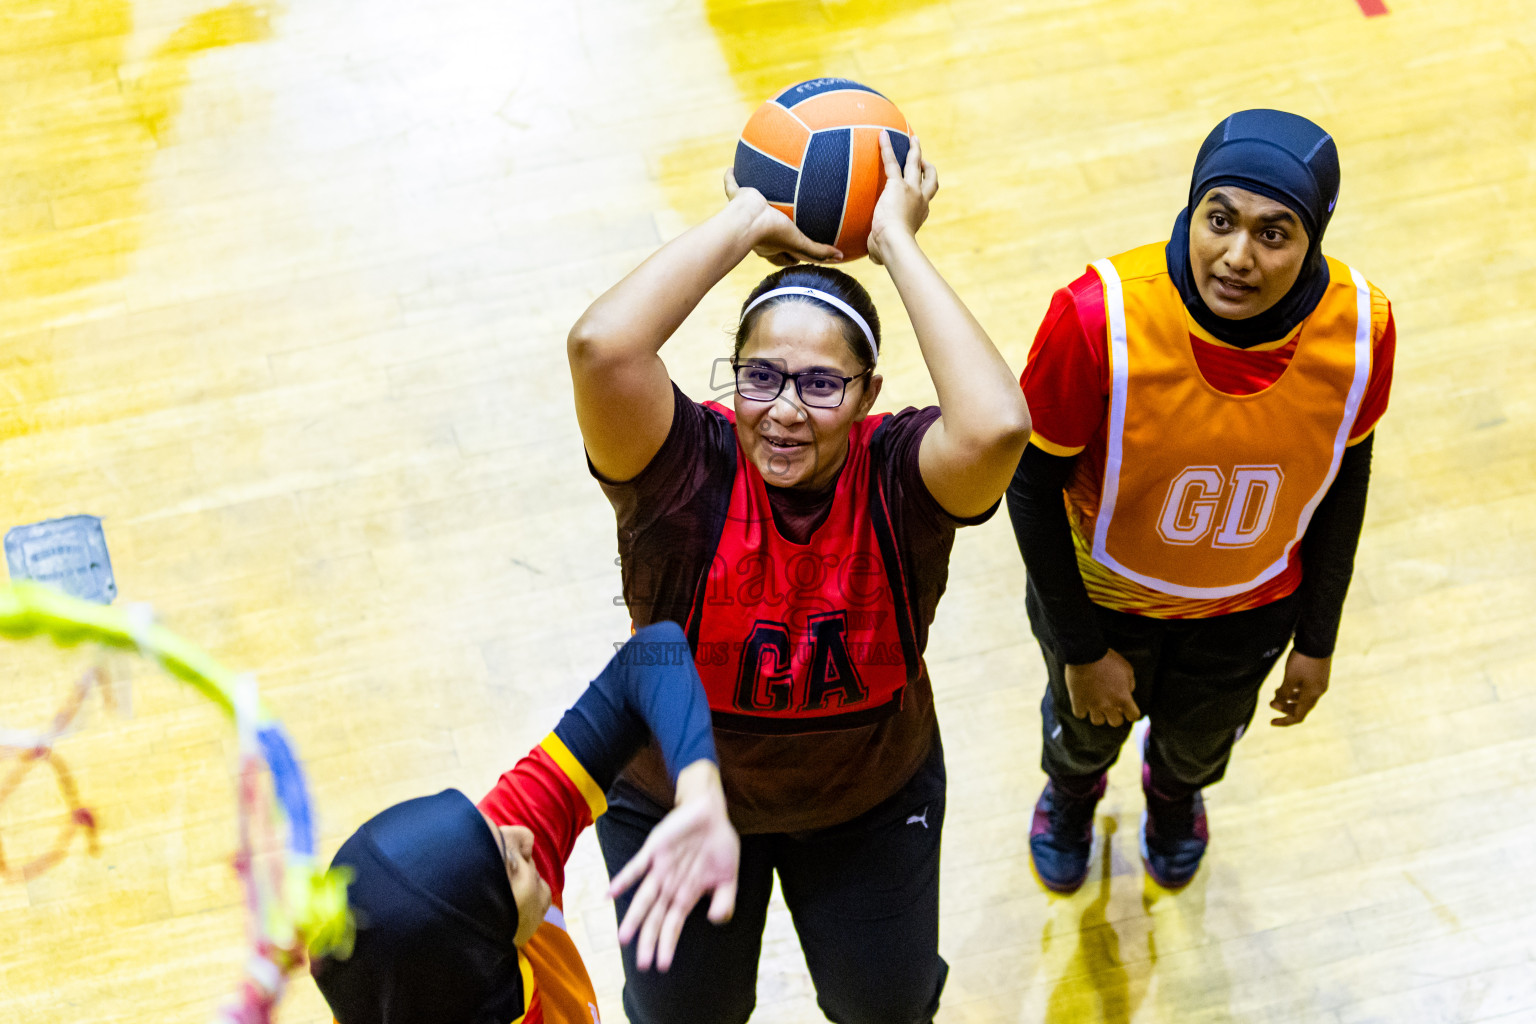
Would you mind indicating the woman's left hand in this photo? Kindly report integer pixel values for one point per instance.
(903, 205)
(1305, 682)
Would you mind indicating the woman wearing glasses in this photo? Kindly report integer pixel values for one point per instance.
(804, 543)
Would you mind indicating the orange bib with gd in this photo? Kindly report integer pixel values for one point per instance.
(1204, 493)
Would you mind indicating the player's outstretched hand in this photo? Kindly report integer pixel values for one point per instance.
(903, 204)
(1305, 682)
(1101, 690)
(775, 237)
(692, 851)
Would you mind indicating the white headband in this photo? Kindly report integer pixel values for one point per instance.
(831, 300)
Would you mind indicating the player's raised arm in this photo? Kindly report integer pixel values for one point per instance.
(651, 688)
(623, 392)
(968, 455)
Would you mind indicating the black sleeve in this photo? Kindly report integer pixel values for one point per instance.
(1328, 552)
(650, 687)
(1045, 540)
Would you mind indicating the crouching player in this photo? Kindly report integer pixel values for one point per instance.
(458, 905)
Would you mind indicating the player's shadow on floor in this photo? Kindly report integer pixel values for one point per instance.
(1098, 984)
(1109, 974)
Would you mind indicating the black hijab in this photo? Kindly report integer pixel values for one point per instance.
(435, 921)
(1288, 159)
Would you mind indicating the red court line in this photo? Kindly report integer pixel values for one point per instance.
(1372, 7)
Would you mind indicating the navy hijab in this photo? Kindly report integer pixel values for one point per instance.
(1288, 159)
(435, 921)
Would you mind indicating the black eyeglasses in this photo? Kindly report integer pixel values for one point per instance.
(758, 382)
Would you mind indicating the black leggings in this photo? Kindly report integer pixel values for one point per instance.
(864, 896)
(1197, 681)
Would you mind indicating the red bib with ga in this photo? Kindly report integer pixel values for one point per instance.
(1204, 493)
(798, 638)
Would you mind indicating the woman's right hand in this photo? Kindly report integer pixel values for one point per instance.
(691, 852)
(1101, 690)
(775, 237)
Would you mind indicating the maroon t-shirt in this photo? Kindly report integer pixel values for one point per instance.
(670, 518)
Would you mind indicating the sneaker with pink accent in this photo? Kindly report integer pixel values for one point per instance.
(1174, 835)
(1061, 836)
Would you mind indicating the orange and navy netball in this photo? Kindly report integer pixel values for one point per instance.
(813, 151)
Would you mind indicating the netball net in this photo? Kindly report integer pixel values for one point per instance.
(292, 905)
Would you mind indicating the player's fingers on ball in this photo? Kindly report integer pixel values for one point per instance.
(888, 157)
(731, 188)
(817, 253)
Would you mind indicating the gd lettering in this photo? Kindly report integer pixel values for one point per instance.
(1238, 504)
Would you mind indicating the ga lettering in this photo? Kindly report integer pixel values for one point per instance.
(765, 679)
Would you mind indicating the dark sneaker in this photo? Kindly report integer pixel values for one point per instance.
(1061, 837)
(1174, 836)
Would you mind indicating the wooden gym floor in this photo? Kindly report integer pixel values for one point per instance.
(284, 291)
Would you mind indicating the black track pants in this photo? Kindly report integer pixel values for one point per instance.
(1197, 680)
(864, 896)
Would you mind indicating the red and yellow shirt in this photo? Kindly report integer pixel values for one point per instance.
(553, 795)
(1255, 446)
